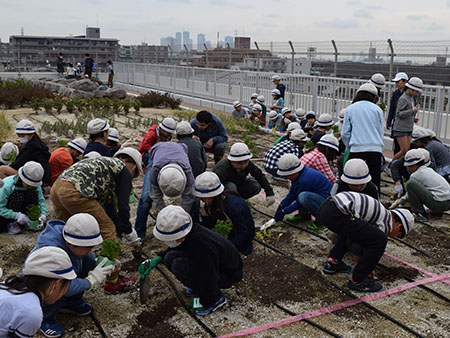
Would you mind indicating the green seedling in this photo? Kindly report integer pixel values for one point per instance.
(111, 249)
(47, 104)
(33, 212)
(35, 105)
(309, 145)
(62, 143)
(12, 156)
(58, 104)
(223, 227)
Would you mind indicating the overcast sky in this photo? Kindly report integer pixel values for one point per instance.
(135, 21)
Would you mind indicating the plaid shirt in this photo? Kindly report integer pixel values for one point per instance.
(316, 160)
(272, 156)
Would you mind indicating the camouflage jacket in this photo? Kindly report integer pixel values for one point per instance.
(95, 178)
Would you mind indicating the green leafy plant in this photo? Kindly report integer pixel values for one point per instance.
(70, 106)
(223, 227)
(62, 143)
(111, 249)
(36, 105)
(33, 212)
(126, 105)
(58, 104)
(335, 128)
(12, 156)
(382, 105)
(309, 145)
(47, 104)
(137, 105)
(116, 105)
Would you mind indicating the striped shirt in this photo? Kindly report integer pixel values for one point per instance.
(365, 208)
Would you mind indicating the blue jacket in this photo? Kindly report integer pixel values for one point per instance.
(98, 147)
(217, 131)
(52, 236)
(309, 180)
(363, 127)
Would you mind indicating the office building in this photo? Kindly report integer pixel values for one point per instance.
(200, 41)
(229, 40)
(241, 42)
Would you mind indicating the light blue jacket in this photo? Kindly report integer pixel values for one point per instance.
(363, 127)
(6, 191)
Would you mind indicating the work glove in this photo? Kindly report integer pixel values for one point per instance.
(42, 220)
(270, 200)
(398, 190)
(402, 201)
(153, 263)
(279, 214)
(99, 274)
(388, 127)
(22, 218)
(131, 239)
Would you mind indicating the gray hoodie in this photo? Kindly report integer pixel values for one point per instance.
(404, 116)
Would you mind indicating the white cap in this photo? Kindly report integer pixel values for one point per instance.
(415, 83)
(135, 156)
(298, 135)
(368, 87)
(237, 104)
(172, 180)
(207, 184)
(25, 127)
(184, 128)
(292, 126)
(272, 115)
(275, 92)
(378, 80)
(172, 223)
(92, 154)
(419, 132)
(300, 113)
(400, 76)
(260, 99)
(413, 157)
(96, 126)
(78, 144)
(276, 77)
(426, 156)
(31, 173)
(341, 114)
(7, 149)
(356, 171)
(324, 120)
(285, 110)
(113, 135)
(257, 106)
(289, 164)
(82, 230)
(407, 219)
(169, 125)
(254, 96)
(329, 141)
(51, 262)
(239, 152)
(310, 113)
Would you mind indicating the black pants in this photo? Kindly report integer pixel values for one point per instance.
(371, 239)
(374, 162)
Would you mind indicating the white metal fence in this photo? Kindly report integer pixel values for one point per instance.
(320, 94)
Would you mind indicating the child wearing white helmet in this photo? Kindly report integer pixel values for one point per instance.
(221, 205)
(98, 131)
(78, 236)
(405, 114)
(33, 149)
(258, 114)
(239, 111)
(277, 101)
(46, 277)
(113, 142)
(300, 115)
(8, 152)
(234, 172)
(284, 119)
(253, 98)
(196, 151)
(78, 190)
(321, 127)
(276, 80)
(291, 127)
(364, 224)
(21, 193)
(62, 158)
(425, 187)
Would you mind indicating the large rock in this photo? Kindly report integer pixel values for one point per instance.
(85, 85)
(116, 93)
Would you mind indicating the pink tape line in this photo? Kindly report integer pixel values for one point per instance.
(428, 273)
(332, 308)
(133, 134)
(264, 195)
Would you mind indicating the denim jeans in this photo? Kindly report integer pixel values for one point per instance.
(50, 310)
(144, 205)
(309, 202)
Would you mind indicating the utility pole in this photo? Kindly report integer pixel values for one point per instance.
(229, 56)
(170, 55)
(257, 56)
(335, 57)
(293, 56)
(206, 53)
(187, 52)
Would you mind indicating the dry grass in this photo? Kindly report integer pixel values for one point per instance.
(5, 127)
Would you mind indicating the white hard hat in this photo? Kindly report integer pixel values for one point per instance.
(113, 135)
(50, 262)
(78, 144)
(92, 154)
(25, 127)
(419, 132)
(254, 96)
(289, 164)
(276, 77)
(96, 126)
(285, 110)
(172, 223)
(292, 126)
(407, 219)
(356, 171)
(329, 141)
(300, 113)
(237, 104)
(135, 156)
(7, 149)
(31, 173)
(378, 80)
(207, 184)
(272, 115)
(172, 180)
(82, 230)
(426, 156)
(298, 135)
(415, 83)
(169, 125)
(184, 128)
(257, 106)
(275, 92)
(260, 99)
(341, 114)
(310, 114)
(324, 120)
(368, 87)
(400, 76)
(239, 152)
(413, 157)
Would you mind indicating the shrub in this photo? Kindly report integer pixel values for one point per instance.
(58, 104)
(154, 99)
(137, 105)
(70, 105)
(5, 127)
(36, 105)
(127, 104)
(48, 105)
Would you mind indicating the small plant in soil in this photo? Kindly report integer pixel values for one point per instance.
(58, 104)
(70, 106)
(79, 103)
(116, 105)
(137, 105)
(62, 143)
(33, 212)
(111, 249)
(223, 227)
(47, 104)
(35, 105)
(126, 105)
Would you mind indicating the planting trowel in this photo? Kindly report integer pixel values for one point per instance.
(268, 224)
(144, 284)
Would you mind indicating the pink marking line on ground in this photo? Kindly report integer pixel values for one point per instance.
(334, 307)
(135, 135)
